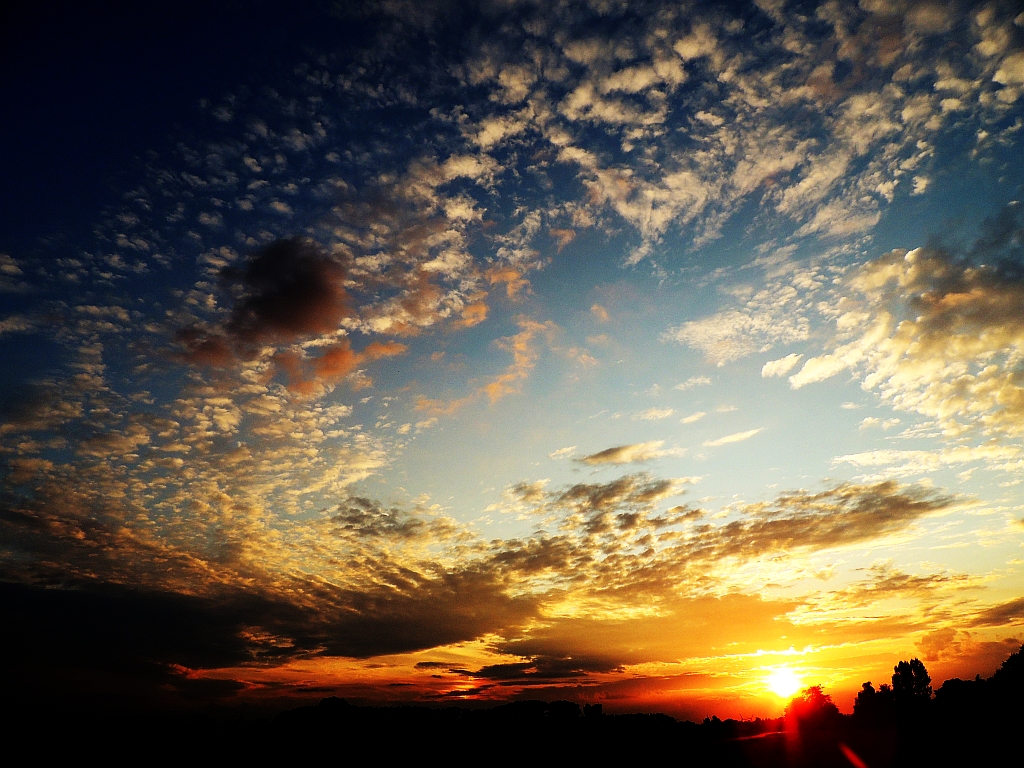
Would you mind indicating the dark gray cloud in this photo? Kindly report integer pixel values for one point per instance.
(365, 517)
(422, 613)
(545, 669)
(1010, 612)
(289, 290)
(846, 514)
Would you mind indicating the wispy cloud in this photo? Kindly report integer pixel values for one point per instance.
(693, 381)
(523, 347)
(654, 414)
(627, 454)
(737, 437)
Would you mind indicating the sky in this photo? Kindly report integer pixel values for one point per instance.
(633, 353)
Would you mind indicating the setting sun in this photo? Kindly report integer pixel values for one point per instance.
(783, 682)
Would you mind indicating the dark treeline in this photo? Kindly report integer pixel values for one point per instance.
(902, 722)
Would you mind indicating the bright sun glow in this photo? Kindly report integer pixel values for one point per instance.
(783, 682)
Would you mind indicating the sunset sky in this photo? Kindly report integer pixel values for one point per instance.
(632, 353)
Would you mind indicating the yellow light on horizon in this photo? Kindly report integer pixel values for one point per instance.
(783, 682)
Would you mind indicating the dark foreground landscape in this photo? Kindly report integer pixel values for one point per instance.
(971, 722)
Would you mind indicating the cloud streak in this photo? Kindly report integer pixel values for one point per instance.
(737, 437)
(628, 454)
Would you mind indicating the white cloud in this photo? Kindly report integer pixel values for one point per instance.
(693, 381)
(904, 463)
(734, 438)
(654, 414)
(780, 367)
(776, 314)
(730, 335)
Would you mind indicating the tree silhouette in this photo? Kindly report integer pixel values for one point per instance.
(911, 683)
(813, 707)
(873, 707)
(911, 690)
(1010, 674)
(865, 699)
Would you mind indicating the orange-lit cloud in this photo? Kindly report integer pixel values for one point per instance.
(333, 363)
(513, 280)
(523, 347)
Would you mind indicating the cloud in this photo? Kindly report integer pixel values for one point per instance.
(290, 289)
(525, 354)
(80, 642)
(777, 314)
(936, 336)
(512, 278)
(780, 367)
(1003, 614)
(347, 616)
(730, 335)
(158, 523)
(334, 362)
(11, 276)
(368, 579)
(628, 454)
(16, 324)
(845, 515)
(734, 438)
(886, 583)
(681, 629)
(693, 381)
(654, 414)
(286, 292)
(697, 416)
(873, 421)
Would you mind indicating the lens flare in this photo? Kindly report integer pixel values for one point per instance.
(783, 682)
